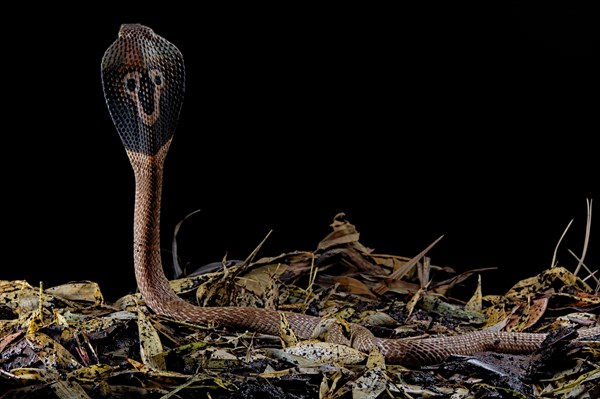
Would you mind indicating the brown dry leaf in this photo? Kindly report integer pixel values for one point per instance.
(137, 365)
(443, 287)
(403, 287)
(390, 262)
(424, 272)
(354, 259)
(290, 266)
(536, 311)
(350, 285)
(373, 318)
(9, 339)
(410, 306)
(260, 279)
(343, 233)
(288, 258)
(217, 291)
(579, 299)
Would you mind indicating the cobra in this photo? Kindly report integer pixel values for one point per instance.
(143, 78)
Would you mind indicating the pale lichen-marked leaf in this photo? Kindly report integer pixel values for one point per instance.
(326, 352)
(51, 353)
(286, 334)
(151, 349)
(78, 291)
(475, 303)
(528, 314)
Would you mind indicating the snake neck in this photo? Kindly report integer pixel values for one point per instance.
(149, 273)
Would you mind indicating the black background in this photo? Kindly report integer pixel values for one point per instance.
(476, 122)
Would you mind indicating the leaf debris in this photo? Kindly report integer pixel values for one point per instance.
(68, 341)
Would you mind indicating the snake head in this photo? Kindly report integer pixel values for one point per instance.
(143, 78)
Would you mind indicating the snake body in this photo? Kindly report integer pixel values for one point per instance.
(143, 78)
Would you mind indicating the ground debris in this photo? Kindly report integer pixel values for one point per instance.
(66, 341)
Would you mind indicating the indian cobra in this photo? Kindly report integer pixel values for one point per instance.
(143, 78)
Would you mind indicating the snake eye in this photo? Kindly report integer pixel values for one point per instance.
(157, 80)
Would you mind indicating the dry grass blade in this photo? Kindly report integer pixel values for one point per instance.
(553, 263)
(593, 275)
(586, 240)
(397, 274)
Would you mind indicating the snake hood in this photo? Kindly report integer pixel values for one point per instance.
(143, 77)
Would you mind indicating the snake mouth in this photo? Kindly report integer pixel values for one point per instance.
(144, 89)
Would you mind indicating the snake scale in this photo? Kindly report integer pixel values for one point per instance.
(143, 78)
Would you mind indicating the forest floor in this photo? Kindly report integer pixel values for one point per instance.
(67, 342)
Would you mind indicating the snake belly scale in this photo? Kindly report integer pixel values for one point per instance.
(143, 78)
